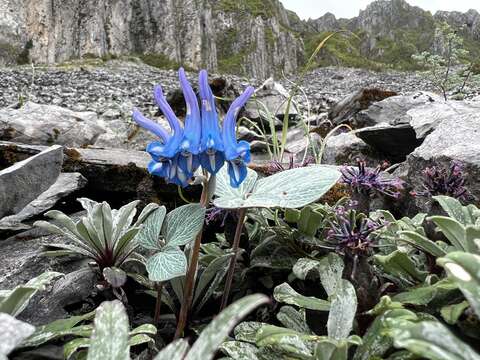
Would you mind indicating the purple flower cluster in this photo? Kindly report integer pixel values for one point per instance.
(351, 231)
(365, 180)
(448, 181)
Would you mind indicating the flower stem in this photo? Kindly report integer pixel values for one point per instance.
(233, 260)
(192, 271)
(158, 304)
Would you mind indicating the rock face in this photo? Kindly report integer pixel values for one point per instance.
(205, 33)
(346, 109)
(48, 124)
(25, 180)
(468, 22)
(395, 110)
(391, 127)
(66, 184)
(454, 137)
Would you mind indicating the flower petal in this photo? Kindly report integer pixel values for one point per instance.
(193, 125)
(150, 125)
(212, 161)
(211, 138)
(237, 171)
(168, 112)
(229, 124)
(160, 169)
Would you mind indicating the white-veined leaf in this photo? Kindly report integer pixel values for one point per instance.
(183, 224)
(148, 236)
(166, 264)
(288, 189)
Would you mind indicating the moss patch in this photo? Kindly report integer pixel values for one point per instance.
(159, 61)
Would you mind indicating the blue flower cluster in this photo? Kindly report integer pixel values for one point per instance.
(201, 142)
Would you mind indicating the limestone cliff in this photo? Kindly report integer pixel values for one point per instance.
(251, 37)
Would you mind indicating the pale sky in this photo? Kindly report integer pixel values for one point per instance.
(350, 8)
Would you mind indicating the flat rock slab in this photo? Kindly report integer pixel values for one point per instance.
(112, 171)
(66, 184)
(49, 124)
(24, 181)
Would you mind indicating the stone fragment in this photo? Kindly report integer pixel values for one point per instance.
(25, 180)
(49, 124)
(66, 184)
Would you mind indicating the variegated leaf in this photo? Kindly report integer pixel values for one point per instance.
(167, 264)
(148, 236)
(109, 340)
(12, 333)
(288, 189)
(183, 224)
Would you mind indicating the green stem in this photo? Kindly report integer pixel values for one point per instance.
(233, 260)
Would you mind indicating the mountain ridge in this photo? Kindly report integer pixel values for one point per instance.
(249, 37)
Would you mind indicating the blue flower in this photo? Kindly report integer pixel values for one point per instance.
(237, 154)
(178, 154)
(190, 146)
(212, 157)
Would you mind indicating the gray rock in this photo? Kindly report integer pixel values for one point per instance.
(244, 133)
(49, 124)
(24, 181)
(347, 109)
(455, 137)
(394, 110)
(23, 258)
(298, 144)
(49, 305)
(394, 142)
(116, 171)
(346, 148)
(66, 184)
(395, 127)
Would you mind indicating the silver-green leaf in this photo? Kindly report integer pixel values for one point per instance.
(288, 189)
(216, 332)
(183, 224)
(12, 333)
(110, 337)
(148, 236)
(342, 311)
(167, 264)
(286, 294)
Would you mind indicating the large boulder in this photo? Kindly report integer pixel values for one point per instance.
(394, 110)
(346, 110)
(49, 124)
(346, 148)
(455, 136)
(25, 180)
(66, 184)
(398, 125)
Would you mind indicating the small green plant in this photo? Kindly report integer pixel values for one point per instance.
(103, 235)
(447, 71)
(461, 228)
(181, 227)
(109, 338)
